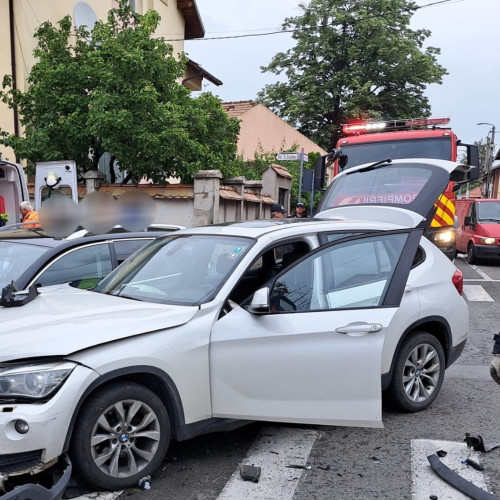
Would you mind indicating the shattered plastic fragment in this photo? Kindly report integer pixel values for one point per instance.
(250, 473)
(477, 444)
(145, 483)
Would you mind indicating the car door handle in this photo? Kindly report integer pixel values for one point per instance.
(359, 328)
(408, 288)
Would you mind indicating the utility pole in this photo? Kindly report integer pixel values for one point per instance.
(490, 155)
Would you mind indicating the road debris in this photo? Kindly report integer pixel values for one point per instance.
(250, 473)
(477, 444)
(145, 483)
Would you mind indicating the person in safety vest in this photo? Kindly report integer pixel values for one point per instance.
(29, 215)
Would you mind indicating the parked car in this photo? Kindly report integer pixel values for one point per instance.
(284, 320)
(30, 256)
(478, 232)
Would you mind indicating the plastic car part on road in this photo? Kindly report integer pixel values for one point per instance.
(34, 491)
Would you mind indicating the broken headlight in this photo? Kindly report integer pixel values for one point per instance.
(33, 382)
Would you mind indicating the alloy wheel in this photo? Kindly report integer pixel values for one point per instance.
(125, 438)
(421, 373)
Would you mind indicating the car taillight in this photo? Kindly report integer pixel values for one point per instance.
(458, 281)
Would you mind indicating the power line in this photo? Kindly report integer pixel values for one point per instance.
(278, 31)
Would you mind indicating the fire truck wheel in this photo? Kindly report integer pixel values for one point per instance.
(471, 254)
(418, 373)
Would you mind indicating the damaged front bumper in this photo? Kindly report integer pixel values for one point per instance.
(48, 485)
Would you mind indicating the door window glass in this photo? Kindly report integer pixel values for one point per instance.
(351, 274)
(83, 265)
(266, 266)
(328, 238)
(125, 248)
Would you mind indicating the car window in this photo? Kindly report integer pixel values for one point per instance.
(351, 274)
(125, 248)
(338, 235)
(267, 265)
(83, 267)
(15, 258)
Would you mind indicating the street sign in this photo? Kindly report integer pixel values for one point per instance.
(292, 157)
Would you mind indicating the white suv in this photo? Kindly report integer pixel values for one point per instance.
(289, 320)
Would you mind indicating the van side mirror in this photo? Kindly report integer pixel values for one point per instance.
(468, 221)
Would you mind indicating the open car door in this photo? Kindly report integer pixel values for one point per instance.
(308, 348)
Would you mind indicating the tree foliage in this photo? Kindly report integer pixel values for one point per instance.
(352, 59)
(116, 89)
(262, 160)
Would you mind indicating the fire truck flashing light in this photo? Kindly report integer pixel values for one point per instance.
(367, 127)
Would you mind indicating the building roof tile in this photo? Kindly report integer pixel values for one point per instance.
(236, 108)
(282, 171)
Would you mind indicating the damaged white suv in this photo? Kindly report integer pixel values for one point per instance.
(289, 320)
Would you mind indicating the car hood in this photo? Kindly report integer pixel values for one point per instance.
(489, 229)
(402, 191)
(63, 320)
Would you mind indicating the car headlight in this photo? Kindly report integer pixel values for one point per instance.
(33, 382)
(488, 241)
(446, 236)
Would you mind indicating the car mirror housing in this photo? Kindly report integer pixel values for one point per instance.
(11, 297)
(260, 302)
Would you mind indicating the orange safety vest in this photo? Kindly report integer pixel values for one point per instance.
(31, 216)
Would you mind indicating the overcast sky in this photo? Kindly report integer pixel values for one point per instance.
(464, 30)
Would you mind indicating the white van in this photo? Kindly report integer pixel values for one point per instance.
(51, 178)
(13, 190)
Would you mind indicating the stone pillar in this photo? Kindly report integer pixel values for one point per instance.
(92, 180)
(206, 197)
(239, 184)
(256, 186)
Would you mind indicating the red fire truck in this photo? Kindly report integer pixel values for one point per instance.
(369, 141)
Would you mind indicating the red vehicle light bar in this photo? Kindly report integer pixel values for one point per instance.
(366, 127)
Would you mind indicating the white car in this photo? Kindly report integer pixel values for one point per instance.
(289, 320)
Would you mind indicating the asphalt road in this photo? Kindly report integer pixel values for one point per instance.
(351, 463)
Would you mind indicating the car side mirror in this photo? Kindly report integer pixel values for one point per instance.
(11, 297)
(260, 302)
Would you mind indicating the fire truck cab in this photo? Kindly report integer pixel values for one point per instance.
(370, 142)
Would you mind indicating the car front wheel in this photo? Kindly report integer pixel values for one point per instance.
(121, 435)
(418, 373)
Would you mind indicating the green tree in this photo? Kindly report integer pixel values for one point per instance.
(352, 59)
(116, 89)
(263, 159)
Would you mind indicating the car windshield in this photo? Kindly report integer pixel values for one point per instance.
(370, 152)
(184, 269)
(15, 258)
(489, 211)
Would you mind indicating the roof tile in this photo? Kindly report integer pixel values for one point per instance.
(236, 108)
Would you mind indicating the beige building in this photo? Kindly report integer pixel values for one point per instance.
(20, 18)
(262, 130)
